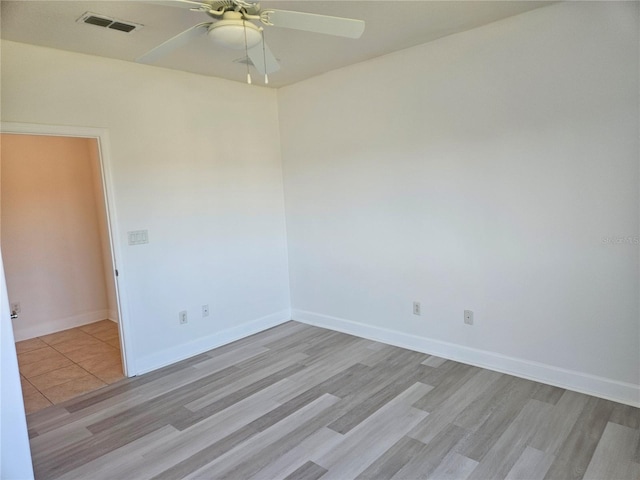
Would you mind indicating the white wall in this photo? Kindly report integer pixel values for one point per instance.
(482, 171)
(15, 452)
(193, 160)
(479, 171)
(51, 233)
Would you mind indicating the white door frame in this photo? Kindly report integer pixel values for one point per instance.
(101, 135)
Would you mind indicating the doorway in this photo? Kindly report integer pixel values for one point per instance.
(59, 264)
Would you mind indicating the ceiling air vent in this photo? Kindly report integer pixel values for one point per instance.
(108, 22)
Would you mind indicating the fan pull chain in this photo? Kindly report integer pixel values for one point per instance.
(264, 58)
(246, 51)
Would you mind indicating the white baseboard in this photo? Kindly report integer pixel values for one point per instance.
(621, 392)
(182, 352)
(112, 315)
(21, 332)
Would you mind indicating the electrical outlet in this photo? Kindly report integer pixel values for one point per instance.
(468, 317)
(183, 317)
(15, 307)
(205, 311)
(416, 308)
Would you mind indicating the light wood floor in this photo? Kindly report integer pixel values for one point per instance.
(299, 402)
(63, 365)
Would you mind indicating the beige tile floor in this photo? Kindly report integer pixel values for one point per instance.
(63, 365)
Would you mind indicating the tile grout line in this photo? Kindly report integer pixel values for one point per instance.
(89, 373)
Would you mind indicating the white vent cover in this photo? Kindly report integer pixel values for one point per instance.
(108, 22)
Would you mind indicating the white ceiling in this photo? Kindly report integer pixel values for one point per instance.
(390, 26)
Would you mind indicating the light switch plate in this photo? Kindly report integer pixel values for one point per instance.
(138, 237)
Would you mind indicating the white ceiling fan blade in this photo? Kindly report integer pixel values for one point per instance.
(257, 56)
(311, 22)
(178, 41)
(180, 3)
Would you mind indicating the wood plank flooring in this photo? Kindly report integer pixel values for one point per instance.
(300, 402)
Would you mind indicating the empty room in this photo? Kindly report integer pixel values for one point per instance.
(336, 240)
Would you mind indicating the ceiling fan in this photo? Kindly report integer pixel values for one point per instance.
(233, 27)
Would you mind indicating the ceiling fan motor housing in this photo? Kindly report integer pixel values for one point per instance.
(235, 32)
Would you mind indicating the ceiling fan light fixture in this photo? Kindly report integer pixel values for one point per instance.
(231, 34)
